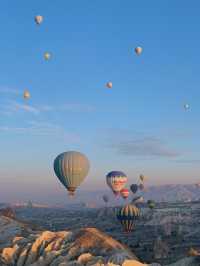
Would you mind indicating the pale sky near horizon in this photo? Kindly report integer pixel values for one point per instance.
(138, 126)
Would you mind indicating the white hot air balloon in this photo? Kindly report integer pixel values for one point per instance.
(109, 85)
(186, 106)
(138, 50)
(26, 95)
(38, 19)
(47, 56)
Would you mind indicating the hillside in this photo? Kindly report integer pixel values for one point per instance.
(21, 246)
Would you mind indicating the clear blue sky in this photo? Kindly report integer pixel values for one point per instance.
(139, 126)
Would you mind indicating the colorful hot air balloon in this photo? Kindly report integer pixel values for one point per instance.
(138, 50)
(127, 215)
(116, 180)
(105, 198)
(47, 56)
(109, 85)
(71, 168)
(124, 193)
(38, 19)
(134, 188)
(26, 94)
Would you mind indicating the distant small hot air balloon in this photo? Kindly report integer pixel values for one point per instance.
(71, 168)
(109, 85)
(105, 198)
(127, 215)
(38, 19)
(142, 178)
(138, 199)
(116, 180)
(151, 204)
(141, 186)
(26, 94)
(134, 188)
(138, 50)
(47, 56)
(186, 106)
(124, 193)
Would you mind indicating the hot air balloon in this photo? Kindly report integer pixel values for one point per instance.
(47, 56)
(138, 50)
(142, 178)
(141, 187)
(138, 199)
(71, 168)
(26, 94)
(105, 198)
(186, 106)
(127, 215)
(197, 185)
(38, 19)
(109, 85)
(116, 180)
(124, 193)
(134, 188)
(151, 204)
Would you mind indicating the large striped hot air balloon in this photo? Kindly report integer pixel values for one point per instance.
(116, 180)
(124, 193)
(127, 215)
(71, 169)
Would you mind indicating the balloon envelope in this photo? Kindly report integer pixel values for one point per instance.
(38, 19)
(142, 178)
(141, 186)
(186, 106)
(116, 180)
(138, 50)
(47, 56)
(151, 204)
(109, 85)
(71, 168)
(105, 198)
(124, 193)
(26, 94)
(134, 188)
(138, 199)
(127, 215)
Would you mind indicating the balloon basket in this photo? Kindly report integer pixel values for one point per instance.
(71, 194)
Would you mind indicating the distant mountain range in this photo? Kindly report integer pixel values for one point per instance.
(163, 193)
(93, 199)
(173, 193)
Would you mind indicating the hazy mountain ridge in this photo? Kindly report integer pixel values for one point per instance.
(93, 199)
